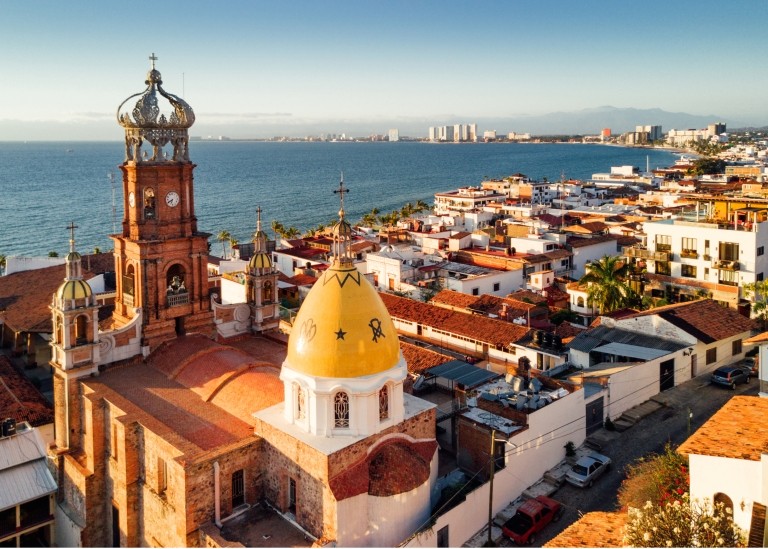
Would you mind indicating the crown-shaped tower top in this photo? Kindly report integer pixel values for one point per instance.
(157, 117)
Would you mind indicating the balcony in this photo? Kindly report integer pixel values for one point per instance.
(642, 253)
(174, 300)
(725, 264)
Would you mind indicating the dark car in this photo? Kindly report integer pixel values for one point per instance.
(730, 376)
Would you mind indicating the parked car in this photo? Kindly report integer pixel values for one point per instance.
(531, 517)
(587, 469)
(730, 376)
(750, 365)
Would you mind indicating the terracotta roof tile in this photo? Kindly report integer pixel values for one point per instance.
(704, 319)
(596, 529)
(491, 331)
(737, 430)
(19, 399)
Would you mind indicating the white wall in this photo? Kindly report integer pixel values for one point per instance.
(744, 483)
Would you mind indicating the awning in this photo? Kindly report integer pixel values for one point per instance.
(462, 372)
(631, 351)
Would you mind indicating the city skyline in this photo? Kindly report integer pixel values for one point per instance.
(264, 69)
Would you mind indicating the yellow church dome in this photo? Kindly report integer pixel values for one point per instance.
(74, 289)
(260, 260)
(343, 329)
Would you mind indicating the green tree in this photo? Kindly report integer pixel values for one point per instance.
(223, 237)
(683, 523)
(758, 290)
(607, 287)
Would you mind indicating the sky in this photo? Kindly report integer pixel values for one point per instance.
(256, 69)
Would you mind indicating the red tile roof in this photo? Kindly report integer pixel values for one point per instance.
(737, 430)
(480, 328)
(20, 399)
(596, 529)
(703, 319)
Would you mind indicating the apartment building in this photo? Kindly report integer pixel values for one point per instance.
(687, 259)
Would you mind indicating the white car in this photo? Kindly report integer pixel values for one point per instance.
(587, 469)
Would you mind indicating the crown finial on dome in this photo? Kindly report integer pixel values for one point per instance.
(158, 117)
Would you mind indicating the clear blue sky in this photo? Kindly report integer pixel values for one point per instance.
(256, 67)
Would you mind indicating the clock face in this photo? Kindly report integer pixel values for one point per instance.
(172, 199)
(131, 199)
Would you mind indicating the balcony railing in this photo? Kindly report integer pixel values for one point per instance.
(642, 253)
(174, 300)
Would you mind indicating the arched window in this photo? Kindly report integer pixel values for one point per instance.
(301, 401)
(723, 499)
(81, 329)
(580, 302)
(384, 403)
(341, 410)
(149, 203)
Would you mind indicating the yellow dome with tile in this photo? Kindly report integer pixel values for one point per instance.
(343, 329)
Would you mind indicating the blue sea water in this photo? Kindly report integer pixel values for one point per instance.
(45, 185)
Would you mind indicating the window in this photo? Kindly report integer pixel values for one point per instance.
(689, 247)
(238, 488)
(712, 355)
(301, 405)
(384, 403)
(688, 271)
(729, 251)
(736, 347)
(341, 410)
(162, 476)
(760, 250)
(663, 243)
(496, 286)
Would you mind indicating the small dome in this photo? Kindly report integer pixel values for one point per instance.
(343, 329)
(260, 260)
(74, 289)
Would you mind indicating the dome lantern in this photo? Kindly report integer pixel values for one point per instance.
(157, 117)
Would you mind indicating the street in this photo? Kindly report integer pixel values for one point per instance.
(667, 424)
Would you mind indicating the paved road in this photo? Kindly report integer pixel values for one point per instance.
(667, 424)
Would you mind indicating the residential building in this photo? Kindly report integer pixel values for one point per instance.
(27, 488)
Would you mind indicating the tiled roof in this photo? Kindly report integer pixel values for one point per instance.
(453, 299)
(737, 430)
(419, 359)
(19, 399)
(596, 529)
(480, 328)
(25, 296)
(703, 319)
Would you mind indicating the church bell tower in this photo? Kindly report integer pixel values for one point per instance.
(161, 260)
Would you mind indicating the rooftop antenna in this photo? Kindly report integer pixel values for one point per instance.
(111, 177)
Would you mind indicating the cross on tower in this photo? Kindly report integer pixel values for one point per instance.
(153, 58)
(341, 191)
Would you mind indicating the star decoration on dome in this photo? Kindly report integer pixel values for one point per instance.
(340, 334)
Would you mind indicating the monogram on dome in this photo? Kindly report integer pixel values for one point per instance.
(158, 117)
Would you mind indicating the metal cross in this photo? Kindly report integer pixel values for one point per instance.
(72, 228)
(153, 58)
(341, 191)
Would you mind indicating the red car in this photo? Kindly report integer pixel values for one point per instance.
(531, 517)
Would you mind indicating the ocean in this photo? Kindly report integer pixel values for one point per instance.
(45, 185)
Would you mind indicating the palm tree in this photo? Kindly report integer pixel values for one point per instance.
(607, 286)
(223, 237)
(759, 290)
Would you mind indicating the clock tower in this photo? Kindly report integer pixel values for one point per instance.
(161, 260)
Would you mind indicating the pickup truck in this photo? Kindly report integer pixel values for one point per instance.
(531, 517)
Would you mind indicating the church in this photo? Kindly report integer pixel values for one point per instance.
(182, 422)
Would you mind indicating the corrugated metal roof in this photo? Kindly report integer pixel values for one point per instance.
(462, 372)
(631, 351)
(26, 445)
(24, 483)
